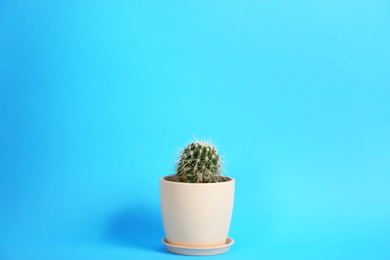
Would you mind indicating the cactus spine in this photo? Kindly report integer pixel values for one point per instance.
(199, 162)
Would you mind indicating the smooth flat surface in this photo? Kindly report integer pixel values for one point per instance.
(96, 97)
(182, 250)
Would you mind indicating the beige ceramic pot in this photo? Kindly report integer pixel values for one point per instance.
(196, 214)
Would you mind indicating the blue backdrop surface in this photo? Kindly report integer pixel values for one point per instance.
(97, 96)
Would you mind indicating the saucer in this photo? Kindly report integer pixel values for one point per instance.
(185, 250)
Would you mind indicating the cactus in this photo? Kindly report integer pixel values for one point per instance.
(199, 162)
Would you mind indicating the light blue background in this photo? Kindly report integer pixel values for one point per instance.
(97, 96)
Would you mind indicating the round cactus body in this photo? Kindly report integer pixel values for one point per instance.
(199, 162)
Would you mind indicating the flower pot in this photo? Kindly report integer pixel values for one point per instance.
(196, 214)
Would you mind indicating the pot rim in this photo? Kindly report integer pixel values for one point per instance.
(164, 179)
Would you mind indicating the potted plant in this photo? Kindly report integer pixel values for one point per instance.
(197, 203)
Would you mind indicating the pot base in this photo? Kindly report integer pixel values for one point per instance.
(183, 250)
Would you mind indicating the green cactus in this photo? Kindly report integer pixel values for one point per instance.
(199, 162)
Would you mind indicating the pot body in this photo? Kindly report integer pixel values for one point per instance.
(196, 214)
